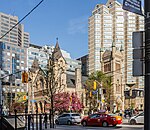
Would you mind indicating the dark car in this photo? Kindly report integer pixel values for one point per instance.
(68, 118)
(100, 119)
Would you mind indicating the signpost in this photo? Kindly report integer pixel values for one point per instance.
(147, 66)
(135, 7)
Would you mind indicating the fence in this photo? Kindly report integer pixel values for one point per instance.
(27, 121)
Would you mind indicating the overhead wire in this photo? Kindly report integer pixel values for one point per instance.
(21, 19)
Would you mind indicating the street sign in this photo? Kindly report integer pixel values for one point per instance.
(138, 53)
(137, 39)
(133, 6)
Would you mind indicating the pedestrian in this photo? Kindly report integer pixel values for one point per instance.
(130, 113)
(120, 112)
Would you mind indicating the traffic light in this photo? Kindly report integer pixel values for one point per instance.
(90, 94)
(24, 97)
(24, 77)
(94, 87)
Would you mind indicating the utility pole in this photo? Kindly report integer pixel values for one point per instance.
(1, 91)
(147, 66)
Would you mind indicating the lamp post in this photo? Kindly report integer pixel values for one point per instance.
(99, 92)
(1, 105)
(147, 64)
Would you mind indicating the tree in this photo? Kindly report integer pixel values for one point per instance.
(104, 82)
(64, 102)
(53, 76)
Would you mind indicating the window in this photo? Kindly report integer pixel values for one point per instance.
(107, 67)
(75, 115)
(93, 116)
(22, 50)
(8, 47)
(18, 50)
(118, 67)
(8, 53)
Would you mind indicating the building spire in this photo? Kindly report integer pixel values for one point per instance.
(57, 40)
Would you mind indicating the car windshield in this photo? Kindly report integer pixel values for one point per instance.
(141, 114)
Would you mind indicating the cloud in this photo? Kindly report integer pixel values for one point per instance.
(78, 25)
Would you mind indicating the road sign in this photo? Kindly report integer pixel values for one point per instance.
(133, 6)
(138, 53)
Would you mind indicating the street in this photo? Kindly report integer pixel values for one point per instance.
(79, 127)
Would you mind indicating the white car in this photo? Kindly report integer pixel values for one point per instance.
(68, 118)
(138, 119)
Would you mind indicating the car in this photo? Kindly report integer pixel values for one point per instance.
(68, 118)
(101, 119)
(138, 119)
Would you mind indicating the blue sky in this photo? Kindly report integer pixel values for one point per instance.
(65, 19)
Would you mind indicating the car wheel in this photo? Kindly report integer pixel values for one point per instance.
(69, 122)
(84, 123)
(132, 122)
(104, 124)
(57, 122)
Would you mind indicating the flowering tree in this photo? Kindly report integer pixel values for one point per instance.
(66, 102)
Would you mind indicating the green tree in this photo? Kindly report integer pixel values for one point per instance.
(103, 81)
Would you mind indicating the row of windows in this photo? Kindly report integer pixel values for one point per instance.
(13, 48)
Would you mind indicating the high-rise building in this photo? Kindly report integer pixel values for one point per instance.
(109, 24)
(16, 36)
(84, 66)
(13, 54)
(13, 60)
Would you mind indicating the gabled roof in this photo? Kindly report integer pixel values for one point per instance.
(35, 65)
(107, 53)
(57, 52)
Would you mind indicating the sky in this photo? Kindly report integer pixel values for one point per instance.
(66, 20)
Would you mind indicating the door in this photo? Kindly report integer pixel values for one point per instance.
(94, 120)
(62, 119)
(140, 118)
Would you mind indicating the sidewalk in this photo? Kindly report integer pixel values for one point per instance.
(125, 121)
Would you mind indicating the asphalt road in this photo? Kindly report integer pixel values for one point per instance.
(79, 127)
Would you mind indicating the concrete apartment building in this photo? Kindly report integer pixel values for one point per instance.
(110, 24)
(84, 67)
(14, 44)
(13, 53)
(16, 36)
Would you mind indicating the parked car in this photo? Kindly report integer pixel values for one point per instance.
(68, 118)
(101, 119)
(138, 119)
